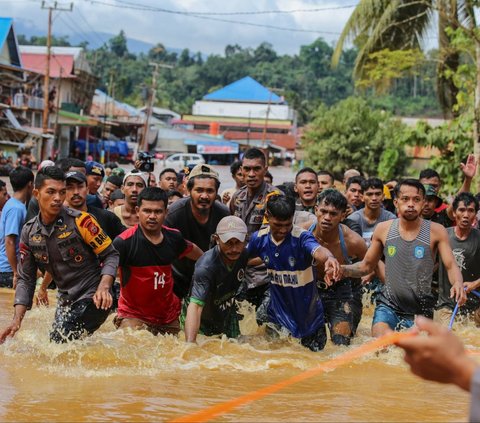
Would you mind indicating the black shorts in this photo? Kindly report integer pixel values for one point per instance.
(337, 304)
(75, 320)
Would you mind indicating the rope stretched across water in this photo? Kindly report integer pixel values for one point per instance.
(224, 407)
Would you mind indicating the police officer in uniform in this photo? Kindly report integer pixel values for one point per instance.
(249, 204)
(71, 246)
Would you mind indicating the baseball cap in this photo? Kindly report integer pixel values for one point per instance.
(231, 227)
(203, 170)
(77, 176)
(136, 172)
(430, 191)
(45, 163)
(118, 171)
(94, 168)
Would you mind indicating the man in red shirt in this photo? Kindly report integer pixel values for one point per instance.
(147, 251)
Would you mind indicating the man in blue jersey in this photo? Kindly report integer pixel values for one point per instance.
(290, 254)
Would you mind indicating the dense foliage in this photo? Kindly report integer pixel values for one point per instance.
(306, 79)
(353, 135)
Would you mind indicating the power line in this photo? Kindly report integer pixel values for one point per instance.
(256, 12)
(99, 37)
(78, 31)
(210, 18)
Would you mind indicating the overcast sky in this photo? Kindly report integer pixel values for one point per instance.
(182, 31)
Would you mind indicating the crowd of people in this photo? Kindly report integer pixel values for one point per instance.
(180, 253)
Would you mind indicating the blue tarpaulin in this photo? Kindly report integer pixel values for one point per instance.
(112, 147)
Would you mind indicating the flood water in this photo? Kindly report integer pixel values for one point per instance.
(134, 376)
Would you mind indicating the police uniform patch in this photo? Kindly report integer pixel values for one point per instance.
(64, 235)
(36, 238)
(88, 224)
(23, 252)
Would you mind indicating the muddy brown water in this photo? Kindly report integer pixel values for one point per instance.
(134, 376)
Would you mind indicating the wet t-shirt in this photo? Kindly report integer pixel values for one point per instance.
(294, 300)
(467, 257)
(214, 286)
(146, 275)
(180, 217)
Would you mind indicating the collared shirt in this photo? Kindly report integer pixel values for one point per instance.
(253, 212)
(71, 250)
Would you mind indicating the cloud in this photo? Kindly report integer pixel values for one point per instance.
(180, 31)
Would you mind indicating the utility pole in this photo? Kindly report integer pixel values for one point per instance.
(151, 102)
(264, 133)
(46, 88)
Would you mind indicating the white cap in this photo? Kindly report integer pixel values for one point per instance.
(231, 227)
(136, 172)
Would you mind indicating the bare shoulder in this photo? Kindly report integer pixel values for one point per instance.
(355, 243)
(351, 236)
(438, 232)
(382, 229)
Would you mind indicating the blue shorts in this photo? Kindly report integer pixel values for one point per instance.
(386, 314)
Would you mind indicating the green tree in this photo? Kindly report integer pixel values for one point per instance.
(351, 134)
(403, 25)
(118, 44)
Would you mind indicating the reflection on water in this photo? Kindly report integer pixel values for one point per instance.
(117, 375)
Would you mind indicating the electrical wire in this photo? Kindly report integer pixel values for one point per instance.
(200, 15)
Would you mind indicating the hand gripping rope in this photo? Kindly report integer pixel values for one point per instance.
(455, 310)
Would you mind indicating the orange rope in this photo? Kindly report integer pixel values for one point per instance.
(224, 407)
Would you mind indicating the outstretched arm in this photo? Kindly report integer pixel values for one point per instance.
(454, 274)
(369, 262)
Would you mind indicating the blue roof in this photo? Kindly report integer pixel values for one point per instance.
(7, 35)
(244, 90)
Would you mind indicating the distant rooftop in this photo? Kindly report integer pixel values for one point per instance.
(76, 54)
(7, 35)
(71, 51)
(245, 90)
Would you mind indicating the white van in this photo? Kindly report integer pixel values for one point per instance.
(179, 160)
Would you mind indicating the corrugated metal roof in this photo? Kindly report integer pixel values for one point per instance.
(5, 25)
(7, 35)
(60, 65)
(245, 90)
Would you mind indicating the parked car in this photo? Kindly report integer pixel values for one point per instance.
(179, 160)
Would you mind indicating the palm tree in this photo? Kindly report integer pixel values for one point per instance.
(404, 24)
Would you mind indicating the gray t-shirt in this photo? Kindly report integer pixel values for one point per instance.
(367, 228)
(467, 256)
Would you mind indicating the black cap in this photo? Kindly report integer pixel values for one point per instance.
(77, 176)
